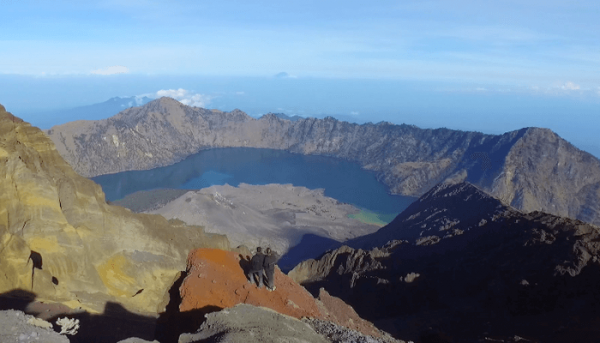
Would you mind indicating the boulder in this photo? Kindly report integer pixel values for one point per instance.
(245, 323)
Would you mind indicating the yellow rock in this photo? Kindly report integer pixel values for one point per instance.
(60, 240)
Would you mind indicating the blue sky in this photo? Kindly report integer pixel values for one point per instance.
(482, 65)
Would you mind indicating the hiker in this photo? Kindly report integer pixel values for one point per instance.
(269, 265)
(256, 267)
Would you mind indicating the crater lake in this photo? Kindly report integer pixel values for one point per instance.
(342, 180)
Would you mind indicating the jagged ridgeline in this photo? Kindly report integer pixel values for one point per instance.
(531, 169)
(61, 241)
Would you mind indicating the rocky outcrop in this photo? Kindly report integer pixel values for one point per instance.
(216, 279)
(245, 323)
(531, 169)
(532, 275)
(250, 324)
(60, 240)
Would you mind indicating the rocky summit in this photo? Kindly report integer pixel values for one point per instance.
(485, 272)
(531, 169)
(60, 241)
(216, 280)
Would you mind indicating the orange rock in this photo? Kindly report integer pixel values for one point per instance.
(216, 279)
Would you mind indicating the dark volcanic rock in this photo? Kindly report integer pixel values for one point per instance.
(532, 275)
(445, 211)
(530, 169)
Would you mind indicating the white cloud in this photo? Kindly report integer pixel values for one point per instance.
(240, 93)
(111, 70)
(354, 113)
(570, 86)
(284, 75)
(185, 97)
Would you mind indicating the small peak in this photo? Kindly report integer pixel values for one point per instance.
(167, 100)
(540, 132)
(162, 103)
(453, 188)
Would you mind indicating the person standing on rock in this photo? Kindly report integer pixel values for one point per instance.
(269, 265)
(256, 267)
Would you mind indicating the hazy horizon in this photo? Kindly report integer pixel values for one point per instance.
(467, 65)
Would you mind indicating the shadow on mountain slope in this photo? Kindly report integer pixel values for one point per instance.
(310, 246)
(506, 273)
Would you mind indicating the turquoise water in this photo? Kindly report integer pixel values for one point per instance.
(341, 180)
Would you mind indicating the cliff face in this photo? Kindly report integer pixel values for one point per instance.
(61, 241)
(507, 273)
(530, 169)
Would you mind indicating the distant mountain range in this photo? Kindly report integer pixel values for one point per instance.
(459, 266)
(97, 111)
(530, 169)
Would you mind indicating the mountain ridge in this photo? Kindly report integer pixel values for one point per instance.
(530, 169)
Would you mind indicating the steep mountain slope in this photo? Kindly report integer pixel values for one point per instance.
(530, 169)
(60, 240)
(447, 210)
(506, 273)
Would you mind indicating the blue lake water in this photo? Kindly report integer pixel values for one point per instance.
(341, 180)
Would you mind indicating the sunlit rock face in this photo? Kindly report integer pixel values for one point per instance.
(60, 240)
(531, 169)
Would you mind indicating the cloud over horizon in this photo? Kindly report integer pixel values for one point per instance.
(570, 86)
(185, 97)
(110, 70)
(284, 75)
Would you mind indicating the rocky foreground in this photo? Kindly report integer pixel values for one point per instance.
(531, 169)
(215, 280)
(462, 267)
(60, 240)
(213, 303)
